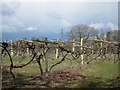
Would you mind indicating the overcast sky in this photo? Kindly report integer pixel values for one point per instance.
(46, 19)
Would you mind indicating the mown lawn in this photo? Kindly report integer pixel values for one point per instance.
(68, 74)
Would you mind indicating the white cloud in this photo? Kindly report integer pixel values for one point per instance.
(9, 8)
(97, 25)
(50, 17)
(54, 15)
(10, 23)
(65, 23)
(8, 29)
(75, 13)
(6, 10)
(100, 26)
(31, 28)
(111, 26)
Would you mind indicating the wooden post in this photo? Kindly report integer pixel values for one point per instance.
(101, 45)
(18, 48)
(57, 52)
(11, 48)
(27, 51)
(73, 49)
(92, 43)
(81, 43)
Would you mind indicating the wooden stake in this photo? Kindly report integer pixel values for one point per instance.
(11, 48)
(81, 42)
(57, 52)
(73, 49)
(27, 51)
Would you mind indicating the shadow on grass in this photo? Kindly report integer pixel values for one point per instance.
(19, 81)
(90, 84)
(95, 82)
(25, 81)
(62, 79)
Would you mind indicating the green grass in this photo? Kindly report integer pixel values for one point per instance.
(98, 74)
(105, 69)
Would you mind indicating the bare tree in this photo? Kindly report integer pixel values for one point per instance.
(82, 30)
(114, 35)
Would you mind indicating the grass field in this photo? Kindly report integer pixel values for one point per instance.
(68, 74)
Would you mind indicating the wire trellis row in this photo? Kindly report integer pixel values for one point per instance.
(37, 50)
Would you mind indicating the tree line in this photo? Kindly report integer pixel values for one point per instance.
(88, 32)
